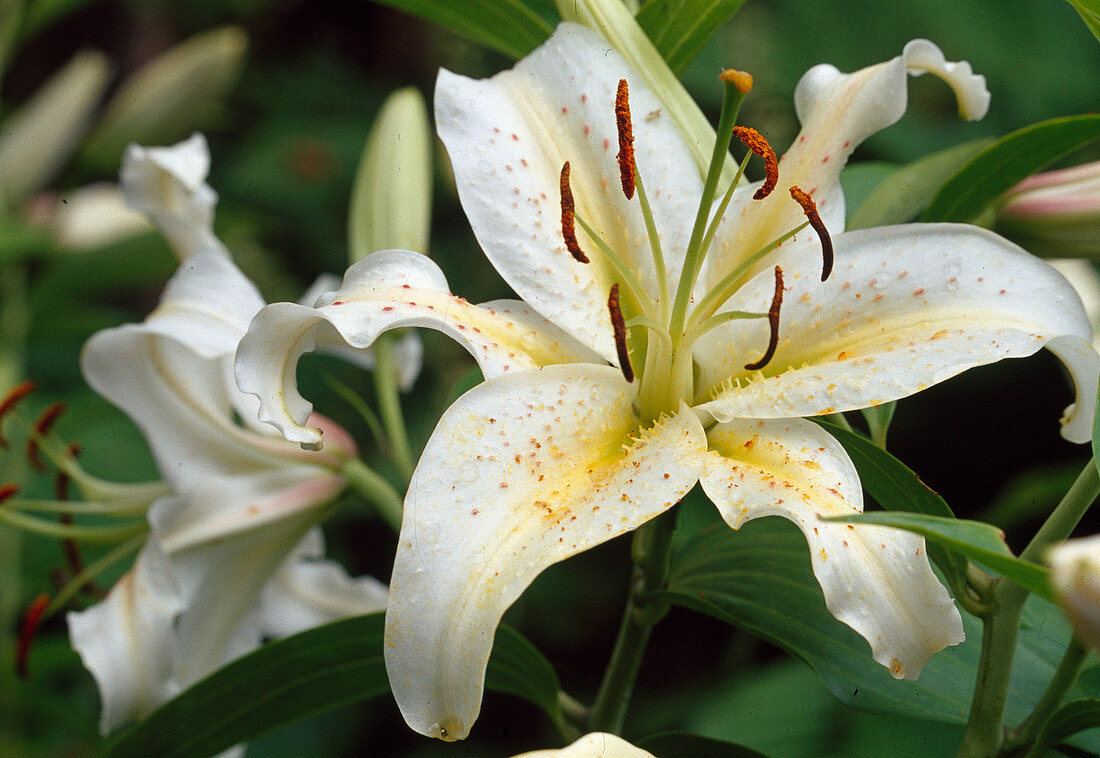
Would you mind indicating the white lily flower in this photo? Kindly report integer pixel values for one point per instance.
(557, 451)
(1075, 574)
(594, 745)
(233, 555)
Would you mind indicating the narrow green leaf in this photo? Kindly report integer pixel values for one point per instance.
(1090, 14)
(1009, 160)
(1096, 439)
(980, 542)
(895, 487)
(906, 192)
(1071, 718)
(507, 26)
(306, 674)
(680, 28)
(684, 745)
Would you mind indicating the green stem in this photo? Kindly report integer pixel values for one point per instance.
(984, 734)
(651, 551)
(389, 404)
(376, 490)
(1064, 677)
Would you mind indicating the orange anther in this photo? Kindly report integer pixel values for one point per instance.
(568, 213)
(618, 325)
(626, 139)
(31, 619)
(755, 141)
(773, 324)
(809, 207)
(17, 393)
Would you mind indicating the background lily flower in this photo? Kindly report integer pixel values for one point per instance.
(233, 555)
(557, 451)
(595, 745)
(1075, 574)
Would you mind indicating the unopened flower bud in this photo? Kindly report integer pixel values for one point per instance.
(1056, 213)
(1075, 574)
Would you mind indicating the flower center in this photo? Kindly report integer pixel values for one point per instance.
(660, 355)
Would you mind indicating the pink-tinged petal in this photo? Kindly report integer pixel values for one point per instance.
(838, 111)
(594, 745)
(508, 138)
(125, 640)
(875, 579)
(168, 184)
(386, 290)
(906, 307)
(522, 471)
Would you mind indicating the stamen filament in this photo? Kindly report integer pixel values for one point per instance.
(568, 210)
(618, 325)
(17, 393)
(722, 291)
(43, 424)
(94, 534)
(32, 618)
(74, 585)
(717, 320)
(732, 98)
(659, 269)
(719, 212)
(648, 323)
(626, 139)
(773, 323)
(809, 207)
(117, 508)
(626, 276)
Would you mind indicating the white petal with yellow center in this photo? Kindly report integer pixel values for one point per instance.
(522, 471)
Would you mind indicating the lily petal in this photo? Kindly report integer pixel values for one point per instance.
(386, 290)
(125, 640)
(838, 111)
(522, 471)
(906, 307)
(594, 745)
(168, 184)
(508, 137)
(876, 580)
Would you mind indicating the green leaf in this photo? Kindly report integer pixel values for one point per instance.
(1090, 14)
(680, 28)
(684, 745)
(507, 26)
(759, 579)
(907, 191)
(1009, 160)
(309, 673)
(1071, 718)
(895, 487)
(980, 542)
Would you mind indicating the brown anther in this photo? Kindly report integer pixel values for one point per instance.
(773, 324)
(618, 325)
(626, 139)
(17, 393)
(43, 425)
(809, 207)
(7, 490)
(742, 80)
(755, 141)
(568, 213)
(31, 619)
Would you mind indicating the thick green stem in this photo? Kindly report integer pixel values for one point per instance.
(984, 735)
(376, 490)
(651, 554)
(389, 404)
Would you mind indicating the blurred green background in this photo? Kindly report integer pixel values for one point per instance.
(286, 142)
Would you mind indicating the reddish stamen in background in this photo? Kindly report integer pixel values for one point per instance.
(17, 393)
(31, 619)
(7, 490)
(568, 213)
(43, 425)
(773, 324)
(626, 139)
(809, 207)
(755, 141)
(618, 325)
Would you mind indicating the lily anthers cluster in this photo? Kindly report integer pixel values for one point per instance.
(667, 335)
